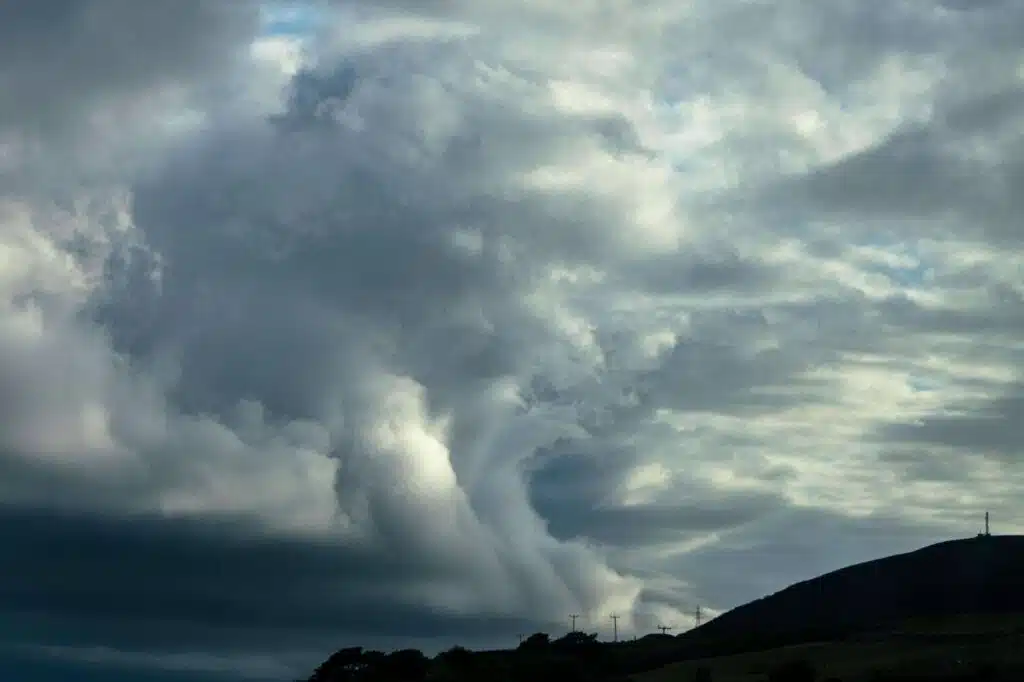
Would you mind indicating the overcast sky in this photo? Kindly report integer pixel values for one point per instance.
(421, 323)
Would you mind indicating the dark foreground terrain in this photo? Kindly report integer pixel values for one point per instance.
(951, 611)
(990, 648)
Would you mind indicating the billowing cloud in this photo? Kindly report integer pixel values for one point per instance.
(435, 324)
(67, 60)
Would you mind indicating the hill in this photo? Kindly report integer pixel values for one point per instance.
(901, 613)
(983, 575)
(986, 653)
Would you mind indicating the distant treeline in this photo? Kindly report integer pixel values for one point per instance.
(576, 657)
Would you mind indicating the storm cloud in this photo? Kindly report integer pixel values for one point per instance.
(415, 324)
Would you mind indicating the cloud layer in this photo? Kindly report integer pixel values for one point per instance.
(436, 324)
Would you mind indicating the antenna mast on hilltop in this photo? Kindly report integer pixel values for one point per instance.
(697, 617)
(985, 533)
(574, 616)
(664, 628)
(615, 630)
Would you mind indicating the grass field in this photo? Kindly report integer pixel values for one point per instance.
(935, 650)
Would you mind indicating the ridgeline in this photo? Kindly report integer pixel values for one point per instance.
(907, 602)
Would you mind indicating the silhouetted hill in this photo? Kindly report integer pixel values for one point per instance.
(983, 575)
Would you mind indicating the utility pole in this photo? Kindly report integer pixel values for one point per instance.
(521, 638)
(664, 628)
(615, 628)
(697, 617)
(986, 524)
(573, 616)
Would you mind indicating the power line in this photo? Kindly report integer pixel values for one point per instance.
(665, 628)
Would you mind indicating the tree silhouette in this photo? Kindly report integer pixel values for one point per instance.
(575, 640)
(456, 663)
(342, 666)
(408, 665)
(538, 640)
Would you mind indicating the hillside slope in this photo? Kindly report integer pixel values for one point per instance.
(977, 575)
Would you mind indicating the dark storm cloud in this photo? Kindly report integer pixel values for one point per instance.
(336, 239)
(323, 271)
(763, 358)
(43, 663)
(1003, 318)
(927, 463)
(62, 58)
(699, 375)
(575, 485)
(958, 174)
(907, 173)
(653, 523)
(992, 428)
(696, 274)
(177, 585)
(441, 352)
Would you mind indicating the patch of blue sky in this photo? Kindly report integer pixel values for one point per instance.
(910, 270)
(289, 19)
(923, 384)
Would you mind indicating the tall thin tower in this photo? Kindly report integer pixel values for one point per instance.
(986, 525)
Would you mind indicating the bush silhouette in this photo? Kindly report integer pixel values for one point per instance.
(702, 674)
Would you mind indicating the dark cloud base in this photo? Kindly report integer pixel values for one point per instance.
(168, 584)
